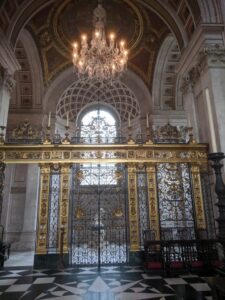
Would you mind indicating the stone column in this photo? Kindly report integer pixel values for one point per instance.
(2, 177)
(7, 84)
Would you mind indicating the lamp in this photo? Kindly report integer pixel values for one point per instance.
(102, 59)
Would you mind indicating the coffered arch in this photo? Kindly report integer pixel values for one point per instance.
(165, 79)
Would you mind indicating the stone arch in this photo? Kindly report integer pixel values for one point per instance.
(35, 64)
(209, 11)
(165, 80)
(28, 93)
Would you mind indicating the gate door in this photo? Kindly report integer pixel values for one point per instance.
(98, 214)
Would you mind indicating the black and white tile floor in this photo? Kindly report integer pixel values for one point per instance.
(119, 283)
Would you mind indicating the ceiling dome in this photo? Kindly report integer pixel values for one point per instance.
(81, 93)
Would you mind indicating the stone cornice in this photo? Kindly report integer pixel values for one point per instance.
(212, 56)
(215, 56)
(206, 34)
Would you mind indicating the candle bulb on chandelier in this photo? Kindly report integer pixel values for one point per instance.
(111, 37)
(49, 119)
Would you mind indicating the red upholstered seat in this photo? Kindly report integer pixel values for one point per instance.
(197, 264)
(177, 265)
(156, 265)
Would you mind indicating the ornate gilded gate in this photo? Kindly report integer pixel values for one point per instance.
(83, 215)
(98, 214)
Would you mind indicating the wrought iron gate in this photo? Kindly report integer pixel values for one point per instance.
(98, 214)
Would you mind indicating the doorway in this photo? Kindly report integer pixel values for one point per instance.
(99, 214)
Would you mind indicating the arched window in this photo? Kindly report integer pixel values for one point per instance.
(98, 126)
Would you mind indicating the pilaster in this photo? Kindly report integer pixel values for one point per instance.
(42, 226)
(7, 84)
(64, 207)
(206, 77)
(198, 197)
(133, 208)
(153, 200)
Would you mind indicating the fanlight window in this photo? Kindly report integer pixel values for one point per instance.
(98, 126)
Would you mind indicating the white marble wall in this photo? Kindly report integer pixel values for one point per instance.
(20, 206)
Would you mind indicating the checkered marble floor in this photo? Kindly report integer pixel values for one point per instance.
(119, 283)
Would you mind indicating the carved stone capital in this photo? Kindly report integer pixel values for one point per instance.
(6, 81)
(215, 56)
(209, 57)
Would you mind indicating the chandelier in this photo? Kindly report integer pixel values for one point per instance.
(102, 59)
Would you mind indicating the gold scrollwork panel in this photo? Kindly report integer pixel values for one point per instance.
(64, 205)
(198, 197)
(133, 208)
(42, 228)
(153, 200)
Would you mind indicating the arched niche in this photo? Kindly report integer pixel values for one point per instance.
(129, 79)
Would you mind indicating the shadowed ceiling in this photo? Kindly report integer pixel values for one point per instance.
(55, 24)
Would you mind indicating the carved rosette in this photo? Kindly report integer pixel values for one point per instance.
(2, 177)
(64, 204)
(153, 200)
(198, 197)
(133, 208)
(7, 81)
(42, 230)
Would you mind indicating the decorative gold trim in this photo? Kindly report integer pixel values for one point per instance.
(133, 209)
(64, 205)
(42, 227)
(198, 197)
(158, 153)
(153, 200)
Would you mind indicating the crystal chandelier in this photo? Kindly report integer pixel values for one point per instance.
(102, 59)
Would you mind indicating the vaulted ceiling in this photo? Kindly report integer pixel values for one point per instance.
(55, 24)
